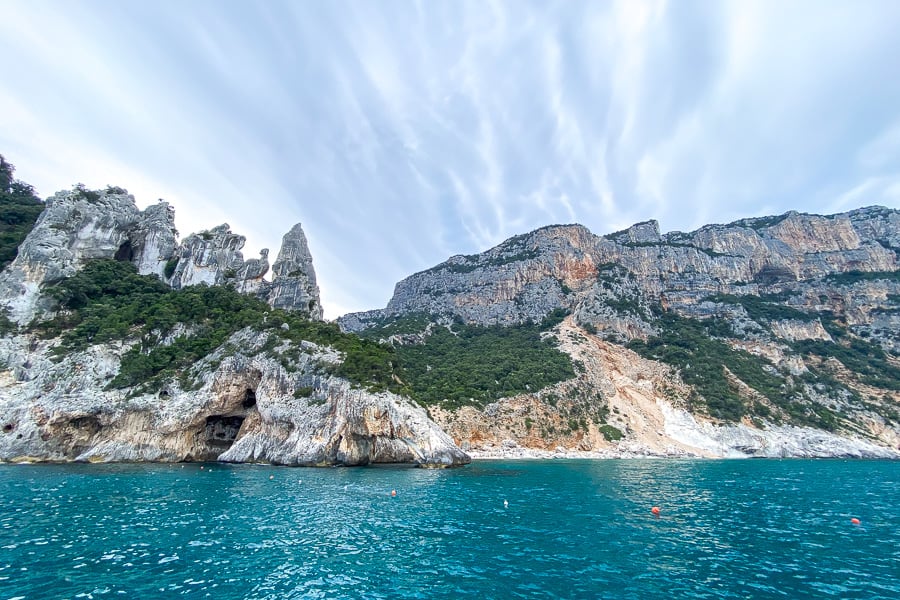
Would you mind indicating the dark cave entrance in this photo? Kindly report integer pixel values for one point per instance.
(221, 431)
(125, 253)
(218, 433)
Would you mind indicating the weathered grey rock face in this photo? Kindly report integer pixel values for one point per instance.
(153, 241)
(208, 257)
(294, 279)
(522, 279)
(77, 226)
(246, 409)
(249, 278)
(567, 266)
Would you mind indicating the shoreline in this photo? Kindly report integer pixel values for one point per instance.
(519, 453)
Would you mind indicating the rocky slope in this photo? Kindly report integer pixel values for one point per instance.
(770, 336)
(261, 395)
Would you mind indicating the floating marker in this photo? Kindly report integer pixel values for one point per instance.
(271, 477)
(393, 493)
(655, 510)
(855, 521)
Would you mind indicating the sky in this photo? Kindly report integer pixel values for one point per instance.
(400, 133)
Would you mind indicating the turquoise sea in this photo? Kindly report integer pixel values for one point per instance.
(572, 529)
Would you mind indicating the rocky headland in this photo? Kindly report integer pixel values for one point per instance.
(265, 391)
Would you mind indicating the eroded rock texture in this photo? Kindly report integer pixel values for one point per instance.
(241, 408)
(75, 227)
(293, 277)
(242, 404)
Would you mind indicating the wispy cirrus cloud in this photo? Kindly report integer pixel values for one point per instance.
(399, 133)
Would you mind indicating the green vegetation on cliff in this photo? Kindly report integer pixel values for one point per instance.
(716, 371)
(765, 308)
(462, 365)
(19, 209)
(477, 365)
(868, 361)
(108, 301)
(731, 383)
(851, 277)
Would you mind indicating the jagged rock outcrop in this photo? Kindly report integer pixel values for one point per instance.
(79, 225)
(249, 278)
(209, 257)
(153, 240)
(293, 277)
(243, 407)
(245, 402)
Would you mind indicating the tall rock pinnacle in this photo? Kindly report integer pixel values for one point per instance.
(293, 277)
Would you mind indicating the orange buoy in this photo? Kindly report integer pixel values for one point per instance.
(855, 521)
(655, 510)
(393, 493)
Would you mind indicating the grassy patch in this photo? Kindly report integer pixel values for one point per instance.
(851, 277)
(610, 433)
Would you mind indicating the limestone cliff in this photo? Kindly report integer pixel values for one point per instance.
(242, 406)
(773, 336)
(565, 266)
(796, 322)
(77, 226)
(255, 397)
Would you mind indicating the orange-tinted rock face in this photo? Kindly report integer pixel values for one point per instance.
(568, 267)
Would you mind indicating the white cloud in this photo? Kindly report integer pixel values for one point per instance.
(883, 151)
(399, 134)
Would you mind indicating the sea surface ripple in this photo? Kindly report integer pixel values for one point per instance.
(572, 529)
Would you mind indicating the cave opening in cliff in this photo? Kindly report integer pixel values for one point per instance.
(125, 253)
(221, 431)
(249, 399)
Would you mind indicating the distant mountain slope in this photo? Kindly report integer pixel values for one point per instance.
(785, 321)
